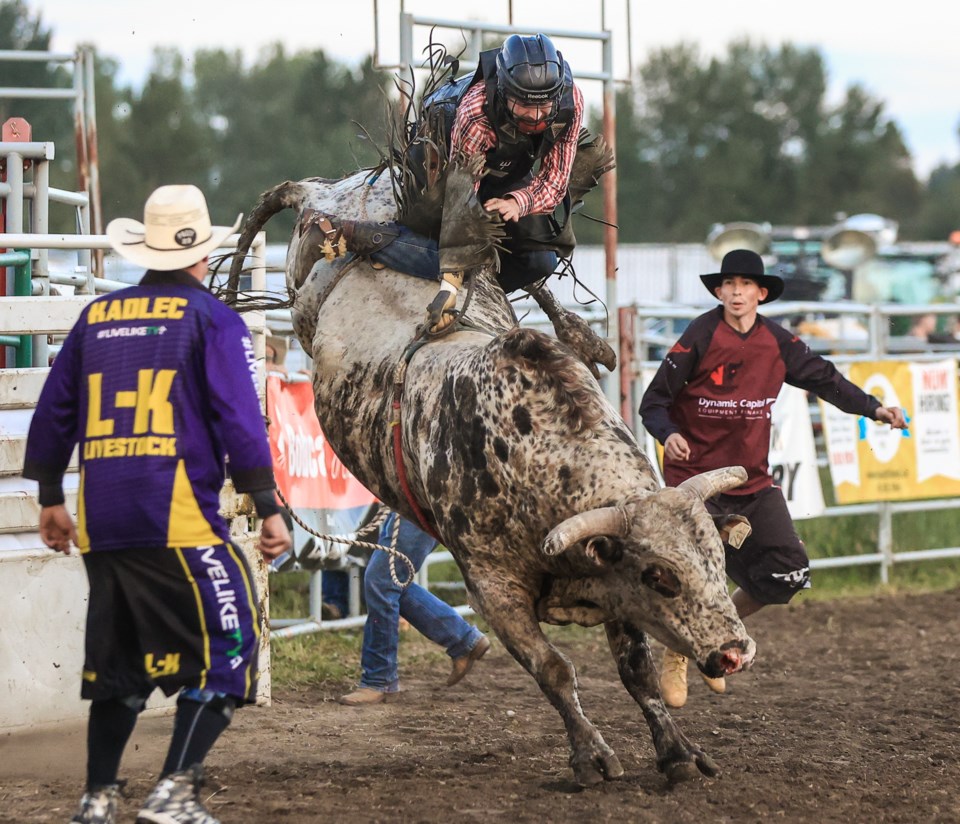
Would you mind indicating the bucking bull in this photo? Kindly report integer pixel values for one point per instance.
(516, 460)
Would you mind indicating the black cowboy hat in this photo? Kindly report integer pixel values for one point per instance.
(746, 264)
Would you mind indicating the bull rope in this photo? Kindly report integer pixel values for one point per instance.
(391, 550)
(399, 379)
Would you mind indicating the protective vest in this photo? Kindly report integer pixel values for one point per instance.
(513, 156)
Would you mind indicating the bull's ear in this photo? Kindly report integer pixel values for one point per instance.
(662, 580)
(603, 550)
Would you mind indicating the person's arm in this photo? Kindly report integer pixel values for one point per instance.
(231, 378)
(53, 427)
(813, 373)
(51, 439)
(472, 132)
(671, 377)
(547, 189)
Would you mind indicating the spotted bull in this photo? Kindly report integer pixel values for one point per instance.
(522, 468)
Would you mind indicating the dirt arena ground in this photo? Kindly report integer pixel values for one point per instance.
(850, 715)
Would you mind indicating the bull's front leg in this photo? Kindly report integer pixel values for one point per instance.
(510, 612)
(677, 757)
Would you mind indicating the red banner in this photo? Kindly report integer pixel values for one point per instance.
(308, 473)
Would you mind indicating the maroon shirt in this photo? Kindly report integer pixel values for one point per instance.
(716, 387)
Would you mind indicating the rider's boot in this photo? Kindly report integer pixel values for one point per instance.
(440, 312)
(338, 237)
(469, 237)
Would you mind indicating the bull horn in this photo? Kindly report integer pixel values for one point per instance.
(707, 484)
(610, 520)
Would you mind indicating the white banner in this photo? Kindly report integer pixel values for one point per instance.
(793, 455)
(841, 433)
(935, 419)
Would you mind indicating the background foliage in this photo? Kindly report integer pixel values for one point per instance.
(746, 136)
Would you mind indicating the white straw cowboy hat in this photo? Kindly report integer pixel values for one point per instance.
(175, 233)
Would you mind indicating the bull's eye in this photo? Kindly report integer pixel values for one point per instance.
(661, 580)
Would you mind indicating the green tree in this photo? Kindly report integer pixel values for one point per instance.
(860, 161)
(120, 172)
(163, 135)
(940, 213)
(286, 118)
(750, 137)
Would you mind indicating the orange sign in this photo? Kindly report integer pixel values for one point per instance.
(308, 473)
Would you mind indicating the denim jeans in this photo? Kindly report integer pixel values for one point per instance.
(386, 603)
(419, 256)
(335, 589)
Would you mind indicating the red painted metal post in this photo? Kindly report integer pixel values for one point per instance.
(609, 186)
(14, 130)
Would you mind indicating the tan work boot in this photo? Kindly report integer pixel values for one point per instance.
(673, 679)
(462, 665)
(717, 685)
(366, 697)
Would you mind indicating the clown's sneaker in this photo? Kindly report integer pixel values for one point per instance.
(98, 806)
(174, 800)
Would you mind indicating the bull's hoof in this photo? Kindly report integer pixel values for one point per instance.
(597, 768)
(677, 771)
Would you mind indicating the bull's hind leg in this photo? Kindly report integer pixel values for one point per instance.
(677, 757)
(510, 612)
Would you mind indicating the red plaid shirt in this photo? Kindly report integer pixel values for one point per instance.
(473, 133)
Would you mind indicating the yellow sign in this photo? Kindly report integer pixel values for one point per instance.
(869, 461)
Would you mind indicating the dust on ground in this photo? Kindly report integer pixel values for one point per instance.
(849, 715)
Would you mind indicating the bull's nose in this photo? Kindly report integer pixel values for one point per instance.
(730, 659)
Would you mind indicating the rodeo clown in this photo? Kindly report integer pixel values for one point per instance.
(156, 386)
(709, 405)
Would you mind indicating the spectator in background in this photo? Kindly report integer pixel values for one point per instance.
(334, 594)
(387, 603)
(951, 332)
(276, 353)
(922, 327)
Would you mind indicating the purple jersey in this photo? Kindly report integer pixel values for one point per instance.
(156, 384)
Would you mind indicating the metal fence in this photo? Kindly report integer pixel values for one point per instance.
(856, 332)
